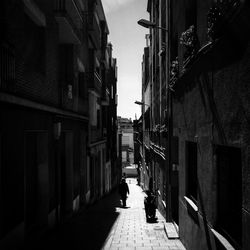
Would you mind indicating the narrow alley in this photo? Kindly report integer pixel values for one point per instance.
(93, 91)
(106, 225)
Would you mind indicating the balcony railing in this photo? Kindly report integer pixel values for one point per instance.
(70, 19)
(161, 151)
(94, 81)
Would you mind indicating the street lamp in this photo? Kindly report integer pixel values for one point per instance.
(147, 24)
(141, 103)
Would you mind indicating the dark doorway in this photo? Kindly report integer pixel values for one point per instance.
(175, 179)
(175, 195)
(66, 171)
(36, 180)
(191, 171)
(229, 188)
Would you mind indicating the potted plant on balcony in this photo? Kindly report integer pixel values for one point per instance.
(190, 41)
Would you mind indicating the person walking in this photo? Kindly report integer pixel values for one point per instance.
(123, 191)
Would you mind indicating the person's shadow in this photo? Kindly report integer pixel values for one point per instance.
(124, 207)
(152, 220)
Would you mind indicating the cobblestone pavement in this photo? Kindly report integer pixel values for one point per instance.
(106, 225)
(131, 231)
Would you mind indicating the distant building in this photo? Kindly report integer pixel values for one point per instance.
(125, 127)
(138, 154)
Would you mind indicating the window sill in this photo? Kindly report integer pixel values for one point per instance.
(191, 204)
(164, 204)
(221, 241)
(192, 209)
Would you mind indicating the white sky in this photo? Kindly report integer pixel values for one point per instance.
(128, 39)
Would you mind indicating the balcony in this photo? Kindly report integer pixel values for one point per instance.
(160, 151)
(69, 18)
(94, 82)
(105, 97)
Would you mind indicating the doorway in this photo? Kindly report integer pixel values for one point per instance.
(66, 174)
(229, 193)
(36, 180)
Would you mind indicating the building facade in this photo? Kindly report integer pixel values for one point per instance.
(153, 106)
(199, 74)
(56, 110)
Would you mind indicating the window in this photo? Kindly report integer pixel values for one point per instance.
(7, 65)
(36, 177)
(229, 193)
(112, 92)
(32, 47)
(93, 105)
(98, 113)
(191, 14)
(175, 149)
(191, 170)
(125, 140)
(82, 85)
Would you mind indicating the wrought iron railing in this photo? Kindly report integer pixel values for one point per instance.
(189, 40)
